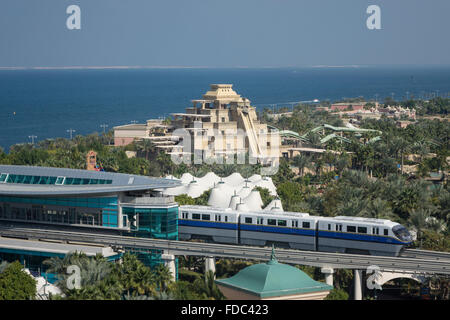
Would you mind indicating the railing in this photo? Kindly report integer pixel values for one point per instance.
(311, 258)
(151, 201)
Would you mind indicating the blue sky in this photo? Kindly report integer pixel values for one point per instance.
(232, 33)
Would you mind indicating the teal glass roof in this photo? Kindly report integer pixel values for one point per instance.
(273, 279)
(45, 181)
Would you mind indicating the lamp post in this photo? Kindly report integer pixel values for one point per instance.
(104, 126)
(71, 131)
(32, 137)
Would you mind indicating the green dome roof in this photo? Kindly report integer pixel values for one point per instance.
(273, 279)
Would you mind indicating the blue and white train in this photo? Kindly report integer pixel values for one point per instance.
(293, 230)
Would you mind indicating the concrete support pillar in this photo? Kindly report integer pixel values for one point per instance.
(357, 284)
(169, 262)
(210, 265)
(328, 275)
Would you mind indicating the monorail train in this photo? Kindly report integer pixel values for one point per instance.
(293, 230)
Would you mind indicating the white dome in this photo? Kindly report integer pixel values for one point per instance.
(209, 180)
(187, 178)
(242, 207)
(234, 179)
(220, 196)
(268, 184)
(253, 201)
(274, 205)
(195, 190)
(255, 177)
(235, 200)
(176, 191)
(244, 192)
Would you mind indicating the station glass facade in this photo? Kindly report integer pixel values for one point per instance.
(95, 211)
(157, 223)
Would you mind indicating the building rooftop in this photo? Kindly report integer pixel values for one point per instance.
(42, 181)
(273, 279)
(52, 248)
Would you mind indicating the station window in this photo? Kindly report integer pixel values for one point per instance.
(272, 222)
(3, 177)
(196, 216)
(351, 229)
(362, 230)
(306, 225)
(248, 220)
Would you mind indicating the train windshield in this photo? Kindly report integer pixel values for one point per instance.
(402, 233)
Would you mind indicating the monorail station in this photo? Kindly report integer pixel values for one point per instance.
(92, 200)
(32, 253)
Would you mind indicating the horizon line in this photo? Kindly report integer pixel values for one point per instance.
(124, 67)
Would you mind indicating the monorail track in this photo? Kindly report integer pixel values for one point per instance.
(424, 262)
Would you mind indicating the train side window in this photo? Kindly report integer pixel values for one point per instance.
(248, 220)
(375, 231)
(329, 227)
(386, 232)
(362, 230)
(282, 223)
(260, 220)
(226, 218)
(272, 222)
(339, 227)
(306, 225)
(351, 229)
(206, 217)
(196, 216)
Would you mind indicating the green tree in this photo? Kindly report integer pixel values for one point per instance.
(16, 284)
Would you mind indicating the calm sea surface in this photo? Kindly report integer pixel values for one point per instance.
(46, 103)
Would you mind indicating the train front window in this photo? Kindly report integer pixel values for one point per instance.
(402, 233)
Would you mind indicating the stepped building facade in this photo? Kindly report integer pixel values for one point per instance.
(221, 124)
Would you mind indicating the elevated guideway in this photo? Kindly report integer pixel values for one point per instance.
(311, 258)
(426, 255)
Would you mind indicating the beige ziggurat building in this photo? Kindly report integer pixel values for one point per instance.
(221, 124)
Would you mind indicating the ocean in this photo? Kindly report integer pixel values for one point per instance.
(47, 103)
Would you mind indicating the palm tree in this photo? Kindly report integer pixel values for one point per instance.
(418, 219)
(398, 145)
(379, 209)
(162, 277)
(145, 146)
(208, 286)
(135, 277)
(302, 162)
(354, 207)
